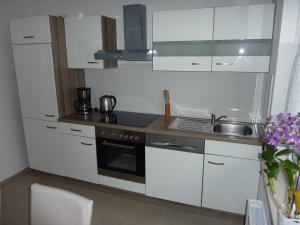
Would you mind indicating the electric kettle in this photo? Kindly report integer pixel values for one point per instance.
(107, 103)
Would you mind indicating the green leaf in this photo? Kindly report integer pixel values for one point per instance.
(269, 155)
(288, 165)
(298, 162)
(274, 170)
(284, 152)
(290, 178)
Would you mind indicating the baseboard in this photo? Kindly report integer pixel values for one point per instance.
(14, 177)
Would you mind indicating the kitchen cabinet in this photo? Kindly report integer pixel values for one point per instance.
(43, 146)
(183, 25)
(183, 63)
(182, 40)
(229, 181)
(244, 22)
(45, 85)
(30, 30)
(80, 157)
(36, 83)
(174, 175)
(235, 38)
(243, 38)
(85, 36)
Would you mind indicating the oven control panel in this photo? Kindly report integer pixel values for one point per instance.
(122, 135)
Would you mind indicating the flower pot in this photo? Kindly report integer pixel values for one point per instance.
(282, 220)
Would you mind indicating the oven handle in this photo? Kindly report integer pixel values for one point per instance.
(117, 145)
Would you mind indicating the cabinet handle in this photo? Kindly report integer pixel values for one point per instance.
(224, 64)
(49, 115)
(218, 164)
(88, 144)
(93, 62)
(72, 129)
(28, 37)
(49, 127)
(198, 64)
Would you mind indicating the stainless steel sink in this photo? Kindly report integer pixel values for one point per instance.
(239, 129)
(233, 129)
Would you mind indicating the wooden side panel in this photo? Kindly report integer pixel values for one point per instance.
(109, 39)
(66, 80)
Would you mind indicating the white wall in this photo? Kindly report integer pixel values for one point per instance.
(138, 88)
(13, 156)
(286, 53)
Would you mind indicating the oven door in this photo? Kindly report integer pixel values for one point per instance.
(121, 159)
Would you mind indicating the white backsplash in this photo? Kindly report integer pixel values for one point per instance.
(195, 94)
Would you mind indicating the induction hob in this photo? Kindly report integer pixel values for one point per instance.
(127, 118)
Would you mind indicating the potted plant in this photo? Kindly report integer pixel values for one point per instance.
(284, 130)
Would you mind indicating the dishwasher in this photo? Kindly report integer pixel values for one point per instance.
(174, 168)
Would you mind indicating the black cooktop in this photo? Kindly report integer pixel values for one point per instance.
(128, 118)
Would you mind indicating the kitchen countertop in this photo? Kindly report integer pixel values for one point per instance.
(159, 126)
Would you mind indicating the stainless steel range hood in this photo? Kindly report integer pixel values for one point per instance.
(135, 35)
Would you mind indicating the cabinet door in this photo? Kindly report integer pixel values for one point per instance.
(43, 146)
(81, 158)
(184, 63)
(174, 175)
(183, 25)
(83, 39)
(244, 22)
(30, 30)
(36, 82)
(229, 182)
(250, 64)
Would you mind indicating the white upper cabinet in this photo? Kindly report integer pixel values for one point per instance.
(30, 30)
(84, 38)
(244, 22)
(182, 40)
(249, 64)
(243, 38)
(36, 82)
(183, 25)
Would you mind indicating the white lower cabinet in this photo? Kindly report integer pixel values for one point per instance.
(43, 146)
(80, 158)
(174, 175)
(228, 182)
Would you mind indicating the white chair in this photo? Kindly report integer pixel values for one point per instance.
(53, 206)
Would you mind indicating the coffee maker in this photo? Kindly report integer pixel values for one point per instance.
(83, 103)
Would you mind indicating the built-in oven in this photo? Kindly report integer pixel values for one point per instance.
(121, 154)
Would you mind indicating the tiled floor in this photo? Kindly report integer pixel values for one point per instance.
(111, 207)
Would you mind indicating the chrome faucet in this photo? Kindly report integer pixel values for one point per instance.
(213, 119)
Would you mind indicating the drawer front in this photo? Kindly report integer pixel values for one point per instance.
(77, 129)
(232, 149)
(241, 63)
(30, 30)
(199, 63)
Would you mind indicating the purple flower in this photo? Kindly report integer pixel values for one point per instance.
(283, 129)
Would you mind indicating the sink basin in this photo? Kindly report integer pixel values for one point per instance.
(233, 129)
(239, 129)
